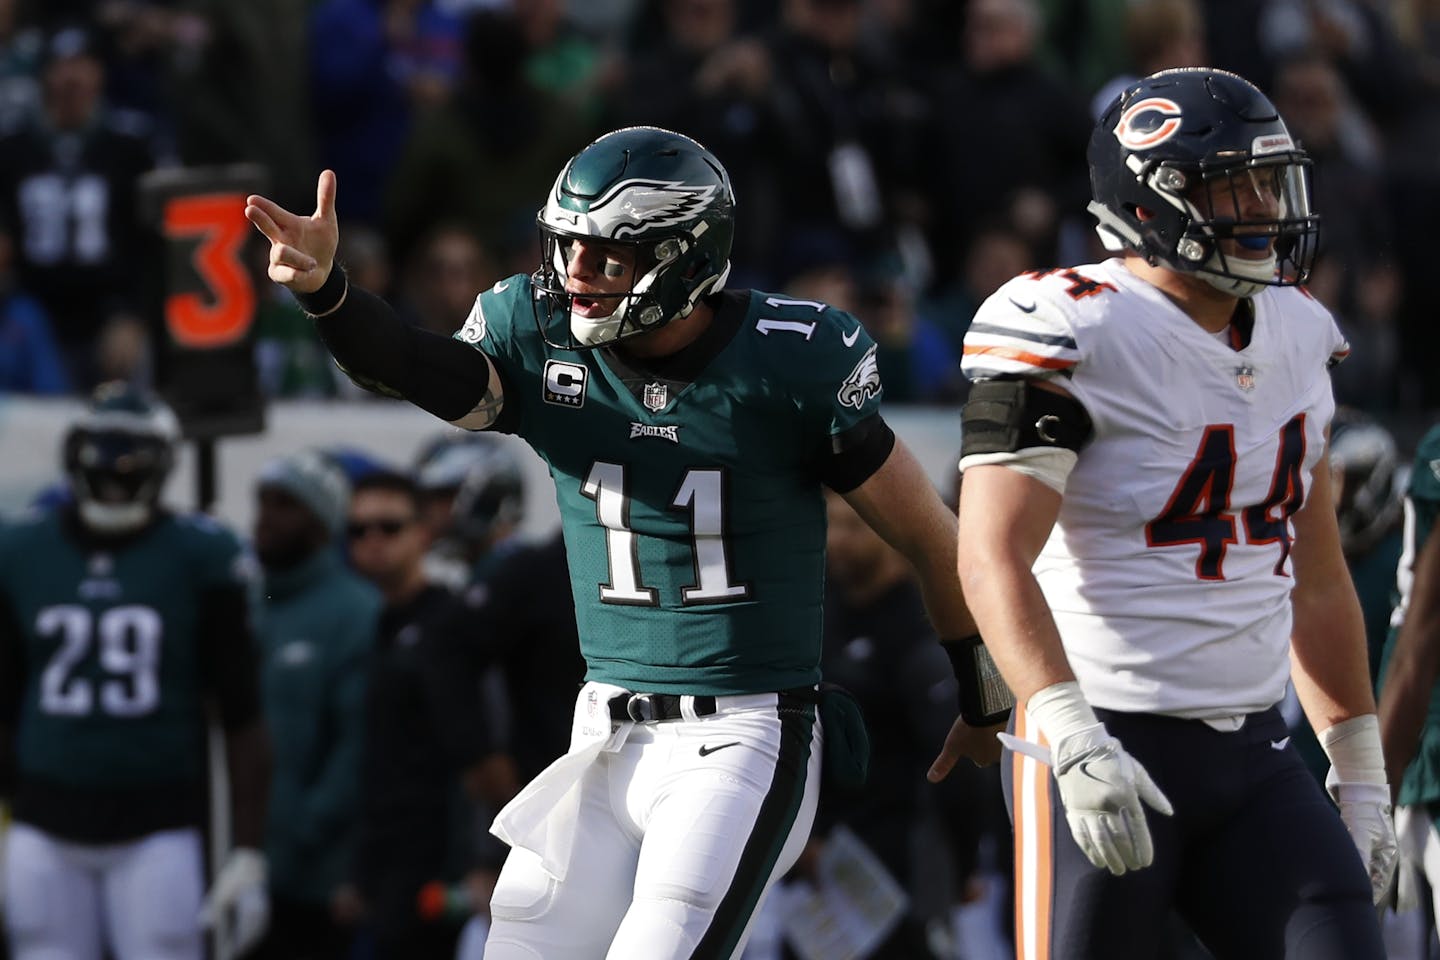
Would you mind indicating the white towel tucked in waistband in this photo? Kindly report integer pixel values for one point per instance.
(542, 817)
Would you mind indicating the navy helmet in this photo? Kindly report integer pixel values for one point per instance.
(1176, 162)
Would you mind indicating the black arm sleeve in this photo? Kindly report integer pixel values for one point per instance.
(381, 352)
(856, 454)
(229, 661)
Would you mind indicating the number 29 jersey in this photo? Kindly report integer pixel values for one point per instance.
(693, 515)
(110, 650)
(1168, 572)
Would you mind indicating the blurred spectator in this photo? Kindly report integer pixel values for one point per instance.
(318, 633)
(472, 496)
(563, 59)
(375, 64)
(1232, 36)
(1087, 43)
(845, 135)
(528, 617)
(67, 196)
(289, 357)
(426, 733)
(121, 625)
(1159, 35)
(485, 155)
(21, 47)
(997, 253)
(291, 360)
(915, 357)
(240, 90)
(879, 644)
(1412, 141)
(366, 255)
(1357, 36)
(442, 277)
(998, 161)
(123, 350)
(1354, 276)
(1319, 112)
(30, 360)
(706, 79)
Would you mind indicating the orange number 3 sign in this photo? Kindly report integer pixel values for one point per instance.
(196, 320)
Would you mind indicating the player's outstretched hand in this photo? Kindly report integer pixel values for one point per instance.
(978, 744)
(302, 248)
(1102, 788)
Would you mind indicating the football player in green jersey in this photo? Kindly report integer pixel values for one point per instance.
(690, 431)
(120, 624)
(1409, 697)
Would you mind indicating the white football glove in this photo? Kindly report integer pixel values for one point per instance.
(1358, 786)
(1101, 786)
(238, 903)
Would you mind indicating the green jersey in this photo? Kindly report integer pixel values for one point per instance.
(114, 643)
(691, 499)
(1422, 506)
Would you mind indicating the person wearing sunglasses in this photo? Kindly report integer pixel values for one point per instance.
(430, 744)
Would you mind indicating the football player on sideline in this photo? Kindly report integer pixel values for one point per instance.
(119, 624)
(1149, 545)
(690, 431)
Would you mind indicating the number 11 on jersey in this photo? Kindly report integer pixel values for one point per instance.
(702, 493)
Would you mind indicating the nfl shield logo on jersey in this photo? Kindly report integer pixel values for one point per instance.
(1245, 377)
(656, 396)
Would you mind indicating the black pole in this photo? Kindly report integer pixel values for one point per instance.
(204, 473)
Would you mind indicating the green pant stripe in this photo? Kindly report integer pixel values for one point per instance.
(772, 829)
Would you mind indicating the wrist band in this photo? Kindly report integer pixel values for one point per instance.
(328, 298)
(985, 700)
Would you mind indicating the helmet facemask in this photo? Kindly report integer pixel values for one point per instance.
(661, 265)
(117, 477)
(118, 456)
(1219, 238)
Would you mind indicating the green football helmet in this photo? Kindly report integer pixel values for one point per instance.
(117, 456)
(656, 191)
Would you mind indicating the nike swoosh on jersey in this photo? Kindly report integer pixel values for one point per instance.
(705, 751)
(849, 338)
(1021, 306)
(1280, 744)
(501, 286)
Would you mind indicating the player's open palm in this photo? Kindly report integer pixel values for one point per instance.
(302, 247)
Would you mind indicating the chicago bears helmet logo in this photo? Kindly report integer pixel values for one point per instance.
(1148, 123)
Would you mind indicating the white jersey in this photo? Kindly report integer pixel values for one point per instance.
(1168, 573)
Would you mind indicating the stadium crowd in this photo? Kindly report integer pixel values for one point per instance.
(897, 159)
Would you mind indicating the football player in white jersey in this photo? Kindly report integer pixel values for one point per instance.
(1148, 543)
